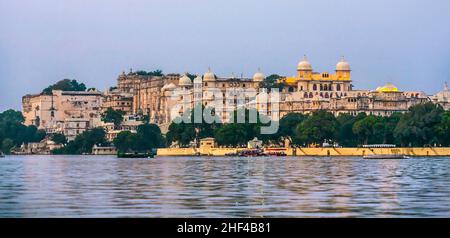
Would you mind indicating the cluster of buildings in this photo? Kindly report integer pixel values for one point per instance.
(159, 97)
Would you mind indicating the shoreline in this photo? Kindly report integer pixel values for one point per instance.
(290, 152)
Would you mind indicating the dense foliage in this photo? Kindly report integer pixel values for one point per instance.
(13, 133)
(271, 82)
(114, 116)
(65, 85)
(84, 142)
(423, 125)
(183, 133)
(148, 137)
(157, 72)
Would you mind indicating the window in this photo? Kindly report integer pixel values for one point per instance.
(315, 87)
(291, 89)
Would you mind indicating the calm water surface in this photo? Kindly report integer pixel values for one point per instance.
(103, 186)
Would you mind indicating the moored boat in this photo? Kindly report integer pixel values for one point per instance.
(2, 155)
(392, 156)
(135, 155)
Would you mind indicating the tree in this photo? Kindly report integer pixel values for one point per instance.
(65, 85)
(232, 135)
(11, 116)
(12, 130)
(287, 127)
(59, 139)
(345, 135)
(148, 137)
(191, 130)
(84, 142)
(317, 128)
(7, 145)
(369, 130)
(271, 82)
(443, 129)
(419, 125)
(114, 116)
(157, 72)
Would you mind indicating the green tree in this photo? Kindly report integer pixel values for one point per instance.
(7, 145)
(369, 130)
(345, 135)
(190, 129)
(232, 135)
(59, 138)
(272, 82)
(287, 127)
(148, 137)
(113, 116)
(317, 128)
(65, 85)
(84, 142)
(419, 126)
(443, 129)
(157, 72)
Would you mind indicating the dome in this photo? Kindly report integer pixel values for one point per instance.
(258, 77)
(185, 81)
(389, 87)
(304, 65)
(198, 79)
(343, 65)
(168, 87)
(209, 76)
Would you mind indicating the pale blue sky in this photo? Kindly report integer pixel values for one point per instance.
(406, 42)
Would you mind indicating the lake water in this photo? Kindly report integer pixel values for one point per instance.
(104, 186)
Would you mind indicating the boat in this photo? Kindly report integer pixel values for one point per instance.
(135, 155)
(251, 153)
(2, 155)
(391, 156)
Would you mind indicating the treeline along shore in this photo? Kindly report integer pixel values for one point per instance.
(423, 126)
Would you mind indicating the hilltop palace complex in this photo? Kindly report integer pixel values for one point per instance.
(157, 97)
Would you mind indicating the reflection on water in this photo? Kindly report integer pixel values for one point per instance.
(96, 186)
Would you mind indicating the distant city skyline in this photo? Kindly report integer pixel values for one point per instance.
(402, 42)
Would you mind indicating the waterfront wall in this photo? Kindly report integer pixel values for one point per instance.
(438, 151)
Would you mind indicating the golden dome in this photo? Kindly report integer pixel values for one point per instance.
(209, 76)
(304, 65)
(343, 65)
(388, 88)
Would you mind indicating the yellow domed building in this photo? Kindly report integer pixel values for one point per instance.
(315, 83)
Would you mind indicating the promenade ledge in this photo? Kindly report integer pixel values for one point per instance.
(417, 151)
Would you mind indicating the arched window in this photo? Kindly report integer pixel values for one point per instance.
(338, 87)
(325, 87)
(315, 87)
(311, 95)
(305, 95)
(326, 95)
(321, 87)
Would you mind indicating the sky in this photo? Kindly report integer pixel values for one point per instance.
(405, 42)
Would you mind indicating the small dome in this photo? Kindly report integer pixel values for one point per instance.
(168, 87)
(209, 76)
(343, 65)
(258, 76)
(185, 81)
(389, 87)
(198, 79)
(304, 65)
